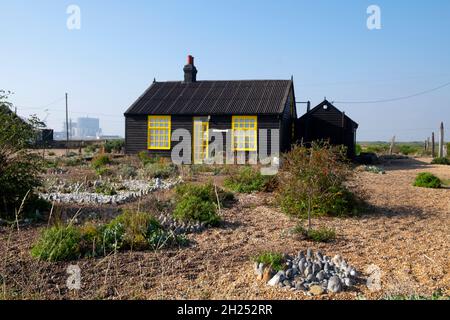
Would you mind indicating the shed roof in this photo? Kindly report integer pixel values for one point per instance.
(213, 98)
(330, 108)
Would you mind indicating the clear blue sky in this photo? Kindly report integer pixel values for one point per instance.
(325, 45)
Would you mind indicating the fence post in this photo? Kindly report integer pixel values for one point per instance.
(441, 141)
(433, 147)
(391, 149)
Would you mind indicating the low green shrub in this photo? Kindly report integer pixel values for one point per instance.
(130, 230)
(58, 243)
(127, 171)
(312, 181)
(427, 180)
(160, 170)
(145, 158)
(100, 161)
(114, 145)
(342, 203)
(407, 149)
(443, 160)
(339, 202)
(51, 164)
(51, 153)
(206, 192)
(73, 162)
(376, 148)
(195, 209)
(91, 149)
(246, 180)
(272, 259)
(317, 235)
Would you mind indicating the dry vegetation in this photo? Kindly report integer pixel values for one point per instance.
(404, 230)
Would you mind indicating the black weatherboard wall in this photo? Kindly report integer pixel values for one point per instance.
(327, 123)
(136, 130)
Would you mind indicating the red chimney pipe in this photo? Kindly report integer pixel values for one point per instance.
(190, 60)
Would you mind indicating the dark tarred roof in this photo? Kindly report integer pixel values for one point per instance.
(331, 114)
(213, 98)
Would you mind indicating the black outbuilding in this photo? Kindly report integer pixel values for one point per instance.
(325, 122)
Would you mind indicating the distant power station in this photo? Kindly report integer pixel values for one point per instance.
(85, 128)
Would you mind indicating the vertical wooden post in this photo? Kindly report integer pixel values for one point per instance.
(67, 125)
(441, 141)
(391, 149)
(433, 149)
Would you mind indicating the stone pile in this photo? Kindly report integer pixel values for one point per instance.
(312, 273)
(179, 227)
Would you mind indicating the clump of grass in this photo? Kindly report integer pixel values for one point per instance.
(246, 180)
(272, 259)
(58, 243)
(427, 180)
(322, 234)
(443, 161)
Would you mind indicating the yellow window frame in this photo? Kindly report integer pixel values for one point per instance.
(243, 121)
(163, 125)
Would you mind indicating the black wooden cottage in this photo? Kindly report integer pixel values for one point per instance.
(327, 123)
(239, 107)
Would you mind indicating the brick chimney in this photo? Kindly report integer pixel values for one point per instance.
(190, 71)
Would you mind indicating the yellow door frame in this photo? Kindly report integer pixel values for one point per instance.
(204, 125)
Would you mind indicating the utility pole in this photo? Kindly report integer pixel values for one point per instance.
(433, 147)
(67, 124)
(441, 141)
